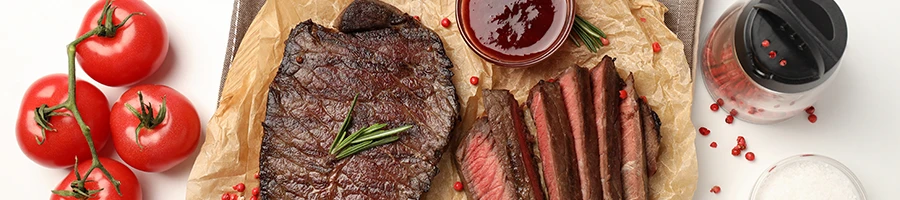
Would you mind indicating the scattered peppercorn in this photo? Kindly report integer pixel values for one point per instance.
(643, 19)
(445, 22)
(234, 196)
(226, 196)
(713, 145)
(765, 43)
(256, 176)
(715, 189)
(254, 198)
(812, 118)
(255, 191)
(750, 156)
(714, 107)
(604, 41)
(735, 151)
(704, 131)
(772, 54)
(416, 17)
(733, 112)
(473, 80)
(239, 187)
(458, 186)
(729, 119)
(783, 62)
(623, 94)
(720, 102)
(811, 110)
(656, 47)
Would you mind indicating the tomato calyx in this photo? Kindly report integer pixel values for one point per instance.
(107, 28)
(79, 191)
(146, 116)
(42, 116)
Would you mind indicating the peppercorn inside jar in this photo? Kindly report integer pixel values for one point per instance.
(770, 59)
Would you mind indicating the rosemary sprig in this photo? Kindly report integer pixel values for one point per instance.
(590, 35)
(346, 145)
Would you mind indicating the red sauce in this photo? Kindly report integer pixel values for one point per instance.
(514, 30)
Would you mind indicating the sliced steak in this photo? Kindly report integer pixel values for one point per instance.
(607, 84)
(495, 157)
(402, 76)
(575, 84)
(634, 163)
(506, 121)
(652, 137)
(554, 141)
(484, 163)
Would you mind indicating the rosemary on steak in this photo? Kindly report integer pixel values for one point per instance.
(587, 33)
(346, 143)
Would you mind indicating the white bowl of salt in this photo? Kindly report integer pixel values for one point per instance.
(808, 176)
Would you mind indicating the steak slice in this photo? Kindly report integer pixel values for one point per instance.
(634, 167)
(550, 122)
(495, 157)
(652, 137)
(576, 89)
(505, 118)
(402, 76)
(607, 84)
(485, 164)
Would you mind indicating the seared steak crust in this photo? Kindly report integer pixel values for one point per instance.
(402, 76)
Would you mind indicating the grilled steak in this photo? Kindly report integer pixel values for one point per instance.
(576, 89)
(550, 124)
(402, 76)
(606, 109)
(651, 125)
(495, 157)
(634, 165)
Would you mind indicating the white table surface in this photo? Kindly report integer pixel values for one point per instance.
(856, 114)
(32, 44)
(854, 127)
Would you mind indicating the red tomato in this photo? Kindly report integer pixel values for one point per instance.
(137, 50)
(162, 145)
(60, 147)
(128, 183)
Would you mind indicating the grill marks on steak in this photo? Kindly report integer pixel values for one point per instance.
(652, 137)
(576, 89)
(634, 167)
(505, 168)
(554, 141)
(606, 86)
(402, 76)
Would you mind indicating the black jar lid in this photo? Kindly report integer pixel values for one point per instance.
(805, 40)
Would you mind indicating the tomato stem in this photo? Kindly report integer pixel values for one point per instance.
(104, 29)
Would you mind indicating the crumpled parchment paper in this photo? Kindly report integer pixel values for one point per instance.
(230, 154)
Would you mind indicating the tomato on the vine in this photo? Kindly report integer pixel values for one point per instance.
(154, 127)
(137, 50)
(128, 182)
(58, 148)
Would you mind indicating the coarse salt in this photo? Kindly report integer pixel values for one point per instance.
(808, 179)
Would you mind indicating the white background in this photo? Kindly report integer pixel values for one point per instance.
(33, 36)
(857, 115)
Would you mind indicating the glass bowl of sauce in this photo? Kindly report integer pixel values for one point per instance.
(515, 33)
